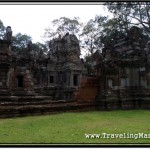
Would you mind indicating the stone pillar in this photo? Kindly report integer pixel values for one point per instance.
(80, 76)
(71, 79)
(48, 79)
(5, 61)
(68, 79)
(148, 80)
(134, 77)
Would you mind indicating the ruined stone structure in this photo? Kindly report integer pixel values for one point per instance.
(39, 83)
(36, 83)
(28, 73)
(124, 73)
(64, 66)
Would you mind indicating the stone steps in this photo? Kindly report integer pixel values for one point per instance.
(32, 109)
(14, 106)
(23, 103)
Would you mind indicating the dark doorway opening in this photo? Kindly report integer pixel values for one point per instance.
(51, 79)
(75, 80)
(19, 81)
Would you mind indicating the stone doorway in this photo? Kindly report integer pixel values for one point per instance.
(20, 81)
(75, 80)
(51, 79)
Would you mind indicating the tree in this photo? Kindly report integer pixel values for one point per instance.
(20, 42)
(89, 34)
(134, 13)
(61, 26)
(112, 31)
(38, 47)
(2, 30)
(91, 31)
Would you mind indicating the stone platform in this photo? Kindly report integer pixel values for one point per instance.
(17, 106)
(123, 104)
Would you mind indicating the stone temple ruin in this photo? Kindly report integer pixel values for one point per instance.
(124, 73)
(64, 67)
(36, 83)
(39, 83)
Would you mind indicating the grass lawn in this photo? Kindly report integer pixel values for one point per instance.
(71, 127)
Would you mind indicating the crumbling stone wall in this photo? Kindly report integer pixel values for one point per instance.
(64, 60)
(124, 72)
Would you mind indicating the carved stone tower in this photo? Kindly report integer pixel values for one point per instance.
(5, 60)
(65, 64)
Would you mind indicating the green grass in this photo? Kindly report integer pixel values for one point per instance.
(71, 127)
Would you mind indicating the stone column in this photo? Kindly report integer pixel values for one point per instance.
(68, 79)
(148, 79)
(48, 80)
(71, 79)
(80, 76)
(5, 62)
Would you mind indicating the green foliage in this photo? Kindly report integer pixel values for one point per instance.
(112, 31)
(20, 42)
(101, 31)
(71, 128)
(61, 26)
(37, 47)
(134, 13)
(90, 33)
(67, 25)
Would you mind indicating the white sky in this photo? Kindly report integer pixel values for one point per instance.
(33, 19)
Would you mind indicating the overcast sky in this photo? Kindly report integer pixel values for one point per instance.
(33, 19)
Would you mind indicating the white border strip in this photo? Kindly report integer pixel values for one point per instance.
(51, 3)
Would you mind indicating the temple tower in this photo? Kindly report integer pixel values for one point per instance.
(5, 61)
